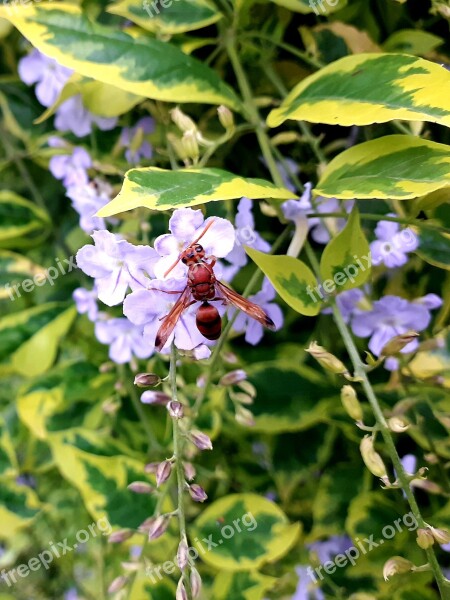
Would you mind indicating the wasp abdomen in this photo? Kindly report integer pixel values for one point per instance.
(209, 322)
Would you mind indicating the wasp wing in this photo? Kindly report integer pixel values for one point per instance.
(250, 308)
(171, 319)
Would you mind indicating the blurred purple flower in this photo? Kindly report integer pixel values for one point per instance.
(71, 168)
(185, 226)
(389, 317)
(254, 331)
(50, 76)
(245, 235)
(347, 303)
(87, 199)
(116, 265)
(319, 230)
(86, 302)
(392, 245)
(71, 594)
(306, 590)
(296, 211)
(328, 549)
(134, 155)
(125, 340)
(287, 168)
(73, 116)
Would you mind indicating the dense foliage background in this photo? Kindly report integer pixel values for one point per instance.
(319, 450)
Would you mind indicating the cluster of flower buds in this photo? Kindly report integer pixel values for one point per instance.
(426, 537)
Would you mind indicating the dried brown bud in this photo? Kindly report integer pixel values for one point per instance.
(163, 472)
(424, 538)
(397, 343)
(351, 403)
(176, 409)
(326, 360)
(371, 458)
(141, 487)
(395, 566)
(233, 377)
(196, 583)
(147, 380)
(201, 440)
(197, 493)
(158, 527)
(120, 535)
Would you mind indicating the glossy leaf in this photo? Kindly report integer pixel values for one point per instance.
(291, 278)
(345, 262)
(29, 339)
(370, 88)
(14, 268)
(175, 16)
(141, 65)
(412, 41)
(22, 223)
(160, 189)
(319, 7)
(262, 533)
(434, 248)
(392, 167)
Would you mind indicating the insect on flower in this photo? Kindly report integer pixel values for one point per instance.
(202, 286)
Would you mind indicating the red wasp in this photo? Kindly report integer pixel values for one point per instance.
(202, 286)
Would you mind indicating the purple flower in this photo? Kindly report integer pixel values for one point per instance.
(73, 116)
(319, 231)
(296, 211)
(328, 549)
(125, 340)
(254, 331)
(185, 226)
(245, 235)
(306, 589)
(116, 265)
(131, 135)
(348, 303)
(146, 308)
(87, 199)
(71, 594)
(288, 167)
(86, 302)
(47, 73)
(392, 245)
(389, 317)
(71, 168)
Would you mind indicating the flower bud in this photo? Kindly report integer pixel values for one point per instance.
(397, 343)
(147, 380)
(190, 145)
(233, 377)
(440, 535)
(398, 424)
(182, 121)
(110, 406)
(395, 566)
(197, 493)
(158, 527)
(177, 145)
(176, 409)
(189, 471)
(424, 538)
(181, 591)
(182, 554)
(130, 566)
(248, 388)
(120, 535)
(163, 472)
(225, 117)
(326, 360)
(117, 584)
(151, 467)
(371, 458)
(196, 583)
(351, 403)
(152, 397)
(244, 416)
(141, 487)
(201, 440)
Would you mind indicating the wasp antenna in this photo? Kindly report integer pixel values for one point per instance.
(173, 266)
(213, 220)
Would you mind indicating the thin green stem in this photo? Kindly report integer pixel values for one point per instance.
(178, 460)
(303, 56)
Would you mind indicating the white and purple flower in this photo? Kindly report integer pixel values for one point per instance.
(125, 340)
(49, 76)
(392, 244)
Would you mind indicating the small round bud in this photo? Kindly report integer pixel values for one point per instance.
(225, 117)
(163, 472)
(141, 487)
(197, 493)
(176, 409)
(326, 360)
(351, 403)
(397, 343)
(152, 397)
(371, 458)
(158, 527)
(424, 538)
(182, 121)
(398, 424)
(395, 566)
(201, 440)
(120, 536)
(147, 380)
(440, 535)
(233, 377)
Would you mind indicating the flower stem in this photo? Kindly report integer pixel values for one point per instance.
(178, 460)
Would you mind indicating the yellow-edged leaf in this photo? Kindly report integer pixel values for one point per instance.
(22, 223)
(13, 269)
(319, 7)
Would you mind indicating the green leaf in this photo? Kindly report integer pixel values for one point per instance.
(346, 259)
(22, 223)
(242, 585)
(291, 278)
(161, 189)
(319, 7)
(143, 66)
(8, 459)
(144, 586)
(29, 339)
(13, 268)
(247, 530)
(369, 88)
(168, 17)
(412, 41)
(19, 506)
(393, 167)
(434, 248)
